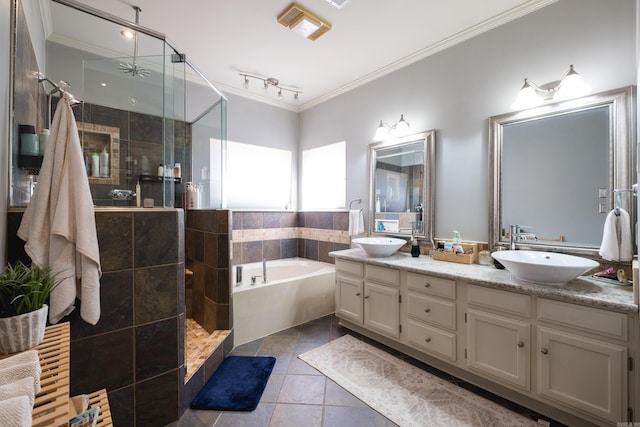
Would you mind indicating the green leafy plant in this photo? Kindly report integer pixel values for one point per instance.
(25, 288)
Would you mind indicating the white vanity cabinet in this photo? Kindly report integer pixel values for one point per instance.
(582, 358)
(570, 361)
(369, 295)
(431, 315)
(349, 290)
(382, 300)
(499, 335)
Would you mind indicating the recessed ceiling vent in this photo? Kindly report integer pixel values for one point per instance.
(338, 3)
(302, 22)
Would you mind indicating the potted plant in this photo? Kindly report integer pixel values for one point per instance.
(23, 313)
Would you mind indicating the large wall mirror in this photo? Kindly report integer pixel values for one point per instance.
(401, 186)
(555, 169)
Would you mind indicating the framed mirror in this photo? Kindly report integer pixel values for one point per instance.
(401, 172)
(554, 170)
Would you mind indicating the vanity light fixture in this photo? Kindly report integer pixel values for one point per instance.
(270, 81)
(570, 86)
(385, 130)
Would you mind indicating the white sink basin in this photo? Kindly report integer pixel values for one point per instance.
(379, 246)
(547, 268)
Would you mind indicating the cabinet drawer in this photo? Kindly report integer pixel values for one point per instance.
(508, 302)
(432, 310)
(431, 340)
(432, 285)
(350, 267)
(388, 276)
(597, 321)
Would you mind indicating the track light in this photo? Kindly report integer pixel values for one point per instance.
(385, 130)
(270, 81)
(570, 86)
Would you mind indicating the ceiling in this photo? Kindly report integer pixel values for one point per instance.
(368, 39)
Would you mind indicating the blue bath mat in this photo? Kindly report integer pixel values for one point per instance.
(236, 385)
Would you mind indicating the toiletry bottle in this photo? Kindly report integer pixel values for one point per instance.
(177, 170)
(138, 195)
(457, 247)
(43, 139)
(415, 248)
(160, 170)
(95, 164)
(104, 163)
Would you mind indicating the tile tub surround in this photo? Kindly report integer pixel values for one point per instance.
(136, 350)
(273, 235)
(581, 291)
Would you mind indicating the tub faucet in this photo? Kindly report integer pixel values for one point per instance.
(264, 270)
(238, 275)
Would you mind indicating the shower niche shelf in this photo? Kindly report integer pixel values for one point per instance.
(156, 178)
(95, 138)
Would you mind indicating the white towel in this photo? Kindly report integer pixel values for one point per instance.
(22, 387)
(14, 373)
(59, 225)
(356, 222)
(616, 237)
(16, 412)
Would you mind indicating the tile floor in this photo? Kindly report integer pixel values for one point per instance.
(298, 395)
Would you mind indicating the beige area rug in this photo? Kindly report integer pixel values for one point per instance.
(402, 392)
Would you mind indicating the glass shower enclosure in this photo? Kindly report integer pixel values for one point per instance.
(151, 126)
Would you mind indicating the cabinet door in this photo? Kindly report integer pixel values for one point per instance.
(349, 298)
(584, 373)
(499, 346)
(382, 309)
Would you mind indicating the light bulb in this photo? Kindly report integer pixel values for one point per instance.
(527, 97)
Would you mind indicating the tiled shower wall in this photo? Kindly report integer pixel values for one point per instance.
(207, 261)
(136, 350)
(276, 235)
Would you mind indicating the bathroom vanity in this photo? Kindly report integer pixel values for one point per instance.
(566, 351)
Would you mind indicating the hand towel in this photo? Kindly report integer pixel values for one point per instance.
(59, 225)
(22, 387)
(14, 373)
(16, 412)
(28, 356)
(356, 222)
(616, 237)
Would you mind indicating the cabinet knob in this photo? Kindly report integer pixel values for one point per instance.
(358, 294)
(544, 351)
(427, 285)
(427, 310)
(520, 344)
(366, 297)
(428, 339)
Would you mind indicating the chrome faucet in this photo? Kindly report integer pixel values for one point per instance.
(239, 275)
(516, 235)
(264, 270)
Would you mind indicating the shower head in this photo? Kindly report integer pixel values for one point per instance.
(134, 69)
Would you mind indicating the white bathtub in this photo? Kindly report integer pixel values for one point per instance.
(297, 290)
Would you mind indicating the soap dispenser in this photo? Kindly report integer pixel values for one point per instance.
(415, 248)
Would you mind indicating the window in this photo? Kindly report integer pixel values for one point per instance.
(324, 177)
(258, 177)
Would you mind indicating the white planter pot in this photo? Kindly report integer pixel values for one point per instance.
(22, 332)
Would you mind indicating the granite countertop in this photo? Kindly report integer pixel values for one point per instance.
(582, 290)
